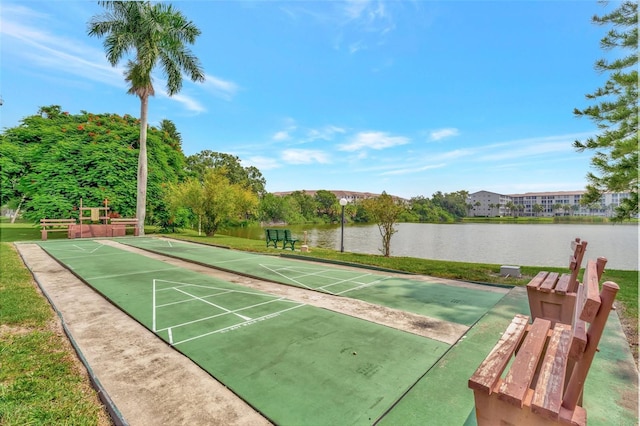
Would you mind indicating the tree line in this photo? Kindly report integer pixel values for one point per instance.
(53, 159)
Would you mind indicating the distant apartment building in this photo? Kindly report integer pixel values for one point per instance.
(350, 196)
(541, 204)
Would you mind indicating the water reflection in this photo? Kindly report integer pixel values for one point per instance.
(515, 244)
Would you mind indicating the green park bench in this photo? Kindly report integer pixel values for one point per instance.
(274, 236)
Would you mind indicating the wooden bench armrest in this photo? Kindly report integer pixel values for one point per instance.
(591, 304)
(488, 373)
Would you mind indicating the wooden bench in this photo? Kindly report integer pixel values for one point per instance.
(55, 225)
(548, 364)
(120, 224)
(553, 296)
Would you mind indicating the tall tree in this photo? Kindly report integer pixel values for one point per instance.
(615, 111)
(157, 35)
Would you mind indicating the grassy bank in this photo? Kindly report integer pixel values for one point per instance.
(41, 380)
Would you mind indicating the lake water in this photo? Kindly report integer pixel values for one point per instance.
(504, 244)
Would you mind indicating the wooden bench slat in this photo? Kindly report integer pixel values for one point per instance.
(518, 380)
(537, 280)
(547, 397)
(489, 372)
(549, 282)
(562, 287)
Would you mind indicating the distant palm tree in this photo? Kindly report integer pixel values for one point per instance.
(537, 209)
(156, 35)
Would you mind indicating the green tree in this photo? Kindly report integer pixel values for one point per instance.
(157, 35)
(537, 209)
(307, 205)
(385, 211)
(615, 111)
(455, 202)
(510, 205)
(327, 205)
(53, 159)
(250, 177)
(213, 200)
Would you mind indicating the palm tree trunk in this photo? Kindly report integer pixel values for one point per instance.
(141, 203)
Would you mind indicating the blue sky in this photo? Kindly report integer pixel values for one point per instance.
(407, 97)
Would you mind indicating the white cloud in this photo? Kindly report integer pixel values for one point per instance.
(75, 60)
(262, 163)
(304, 156)
(373, 140)
(188, 102)
(220, 88)
(282, 135)
(326, 133)
(51, 52)
(534, 147)
(404, 171)
(439, 134)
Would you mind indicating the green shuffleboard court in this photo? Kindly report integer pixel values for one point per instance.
(457, 304)
(295, 363)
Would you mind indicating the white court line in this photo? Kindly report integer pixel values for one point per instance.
(191, 300)
(84, 256)
(131, 273)
(363, 286)
(183, 284)
(153, 306)
(353, 280)
(90, 251)
(214, 305)
(237, 325)
(291, 279)
(282, 299)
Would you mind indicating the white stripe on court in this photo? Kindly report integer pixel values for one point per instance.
(132, 273)
(291, 279)
(282, 299)
(191, 300)
(353, 280)
(362, 286)
(153, 306)
(85, 256)
(214, 305)
(183, 284)
(236, 325)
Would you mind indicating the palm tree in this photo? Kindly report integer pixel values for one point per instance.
(156, 34)
(537, 209)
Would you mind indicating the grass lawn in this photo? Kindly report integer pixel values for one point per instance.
(41, 379)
